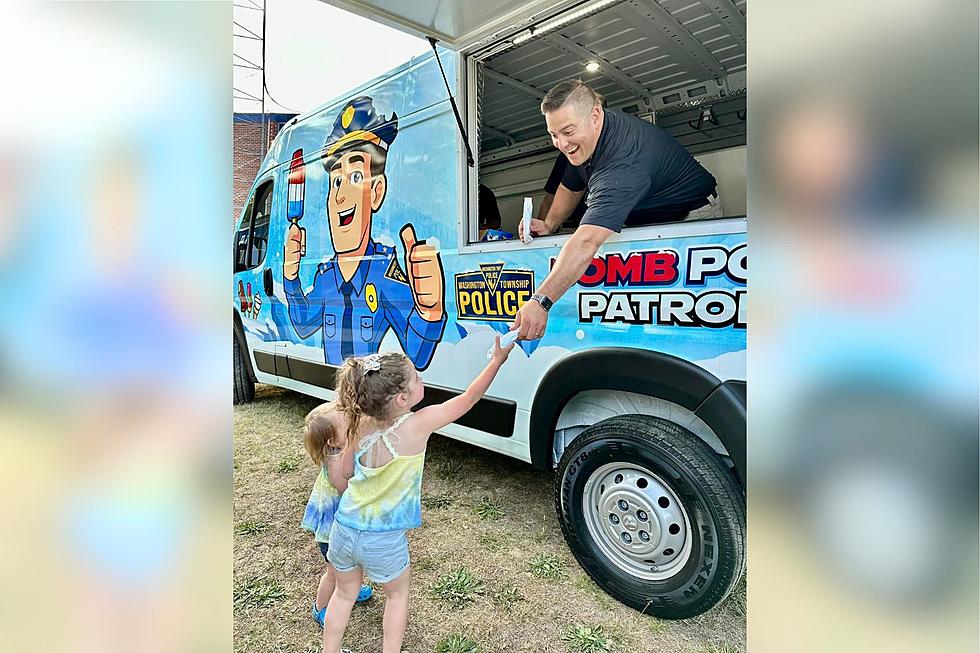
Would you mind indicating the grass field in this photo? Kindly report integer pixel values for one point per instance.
(492, 573)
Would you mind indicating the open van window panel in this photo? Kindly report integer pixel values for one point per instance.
(695, 93)
(241, 238)
(252, 237)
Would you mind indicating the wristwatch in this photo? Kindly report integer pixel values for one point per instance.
(546, 303)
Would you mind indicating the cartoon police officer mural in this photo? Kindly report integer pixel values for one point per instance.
(362, 291)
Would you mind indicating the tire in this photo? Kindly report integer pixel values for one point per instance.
(244, 386)
(677, 491)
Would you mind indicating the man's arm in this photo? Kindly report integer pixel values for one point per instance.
(545, 206)
(576, 255)
(562, 207)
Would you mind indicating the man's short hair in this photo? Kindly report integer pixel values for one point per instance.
(572, 92)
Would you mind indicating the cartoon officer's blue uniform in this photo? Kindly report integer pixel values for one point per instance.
(355, 315)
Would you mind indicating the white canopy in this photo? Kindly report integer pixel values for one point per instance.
(456, 24)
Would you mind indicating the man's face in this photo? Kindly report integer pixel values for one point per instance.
(574, 132)
(354, 196)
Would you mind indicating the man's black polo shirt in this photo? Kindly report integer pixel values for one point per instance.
(638, 174)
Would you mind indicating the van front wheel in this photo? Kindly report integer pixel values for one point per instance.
(653, 515)
(244, 386)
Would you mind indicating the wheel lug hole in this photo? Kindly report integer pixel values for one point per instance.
(614, 518)
(641, 515)
(644, 536)
(623, 505)
(626, 537)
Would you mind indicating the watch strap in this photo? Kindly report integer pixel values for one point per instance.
(545, 302)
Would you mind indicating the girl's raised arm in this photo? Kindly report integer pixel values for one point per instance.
(433, 418)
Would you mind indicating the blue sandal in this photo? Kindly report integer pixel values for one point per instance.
(362, 596)
(318, 615)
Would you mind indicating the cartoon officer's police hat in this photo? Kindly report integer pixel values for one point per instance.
(356, 125)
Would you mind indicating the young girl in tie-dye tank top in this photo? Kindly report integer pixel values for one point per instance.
(324, 436)
(384, 458)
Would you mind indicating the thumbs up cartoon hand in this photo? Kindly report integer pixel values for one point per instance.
(424, 270)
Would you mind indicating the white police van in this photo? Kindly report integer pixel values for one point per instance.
(361, 234)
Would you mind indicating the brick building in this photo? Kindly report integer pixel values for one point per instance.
(247, 144)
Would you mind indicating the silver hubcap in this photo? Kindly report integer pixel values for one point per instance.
(637, 521)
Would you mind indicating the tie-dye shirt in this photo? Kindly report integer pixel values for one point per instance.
(386, 498)
(322, 506)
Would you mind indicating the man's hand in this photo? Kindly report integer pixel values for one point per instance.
(538, 228)
(424, 270)
(531, 321)
(295, 249)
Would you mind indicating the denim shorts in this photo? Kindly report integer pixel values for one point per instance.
(382, 556)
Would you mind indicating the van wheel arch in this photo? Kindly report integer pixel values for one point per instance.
(720, 405)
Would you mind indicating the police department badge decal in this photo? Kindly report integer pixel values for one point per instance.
(492, 293)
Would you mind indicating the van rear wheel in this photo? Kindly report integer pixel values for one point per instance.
(244, 386)
(652, 515)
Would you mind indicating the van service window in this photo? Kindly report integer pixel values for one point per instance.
(699, 101)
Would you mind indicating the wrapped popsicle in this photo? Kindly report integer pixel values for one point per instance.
(506, 340)
(526, 219)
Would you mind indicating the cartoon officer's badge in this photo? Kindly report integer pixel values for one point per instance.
(395, 273)
(371, 297)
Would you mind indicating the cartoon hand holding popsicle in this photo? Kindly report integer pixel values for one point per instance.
(296, 235)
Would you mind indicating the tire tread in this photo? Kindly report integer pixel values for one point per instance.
(244, 386)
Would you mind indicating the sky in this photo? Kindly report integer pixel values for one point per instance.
(314, 53)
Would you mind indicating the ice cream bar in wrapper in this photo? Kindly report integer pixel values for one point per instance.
(505, 341)
(526, 219)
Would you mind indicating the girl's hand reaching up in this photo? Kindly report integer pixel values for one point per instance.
(500, 354)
